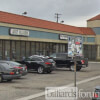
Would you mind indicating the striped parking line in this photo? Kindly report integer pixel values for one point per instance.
(69, 85)
(94, 62)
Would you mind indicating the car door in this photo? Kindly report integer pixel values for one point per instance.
(27, 62)
(61, 60)
(36, 62)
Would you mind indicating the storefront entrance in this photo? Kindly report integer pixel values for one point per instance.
(17, 50)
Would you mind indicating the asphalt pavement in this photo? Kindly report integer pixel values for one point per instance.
(34, 83)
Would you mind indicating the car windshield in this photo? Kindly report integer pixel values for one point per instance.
(11, 63)
(53, 55)
(15, 63)
(48, 60)
(5, 65)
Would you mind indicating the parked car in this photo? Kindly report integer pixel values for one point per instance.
(62, 60)
(8, 73)
(40, 64)
(96, 93)
(16, 65)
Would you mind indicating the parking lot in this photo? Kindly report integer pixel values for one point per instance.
(34, 83)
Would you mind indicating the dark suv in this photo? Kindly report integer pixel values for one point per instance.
(62, 60)
(8, 73)
(40, 64)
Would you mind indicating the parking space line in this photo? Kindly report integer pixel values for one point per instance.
(94, 62)
(69, 85)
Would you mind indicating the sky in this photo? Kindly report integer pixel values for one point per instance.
(73, 12)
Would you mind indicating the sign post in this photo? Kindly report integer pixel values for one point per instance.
(75, 49)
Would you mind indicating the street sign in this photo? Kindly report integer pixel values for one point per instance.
(75, 46)
(63, 37)
(75, 49)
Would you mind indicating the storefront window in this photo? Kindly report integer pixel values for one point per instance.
(49, 48)
(57, 48)
(44, 48)
(22, 50)
(63, 48)
(33, 48)
(7, 50)
(13, 50)
(0, 49)
(54, 47)
(18, 53)
(90, 52)
(41, 48)
(28, 50)
(37, 48)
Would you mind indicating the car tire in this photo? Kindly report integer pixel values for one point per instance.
(1, 79)
(9, 80)
(40, 70)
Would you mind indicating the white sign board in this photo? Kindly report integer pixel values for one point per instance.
(63, 37)
(75, 45)
(19, 32)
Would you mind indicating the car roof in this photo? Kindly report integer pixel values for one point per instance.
(38, 56)
(97, 87)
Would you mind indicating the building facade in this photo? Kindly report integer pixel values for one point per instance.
(22, 36)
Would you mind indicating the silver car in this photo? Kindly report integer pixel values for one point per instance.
(16, 65)
(8, 73)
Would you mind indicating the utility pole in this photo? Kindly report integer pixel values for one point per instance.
(57, 16)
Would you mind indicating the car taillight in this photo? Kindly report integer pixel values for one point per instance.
(12, 73)
(82, 61)
(96, 95)
(18, 67)
(47, 63)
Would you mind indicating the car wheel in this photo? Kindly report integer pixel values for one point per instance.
(72, 68)
(9, 80)
(1, 78)
(40, 70)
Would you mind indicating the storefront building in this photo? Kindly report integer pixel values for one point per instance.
(22, 36)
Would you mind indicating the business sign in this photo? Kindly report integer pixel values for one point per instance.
(75, 46)
(63, 37)
(19, 32)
